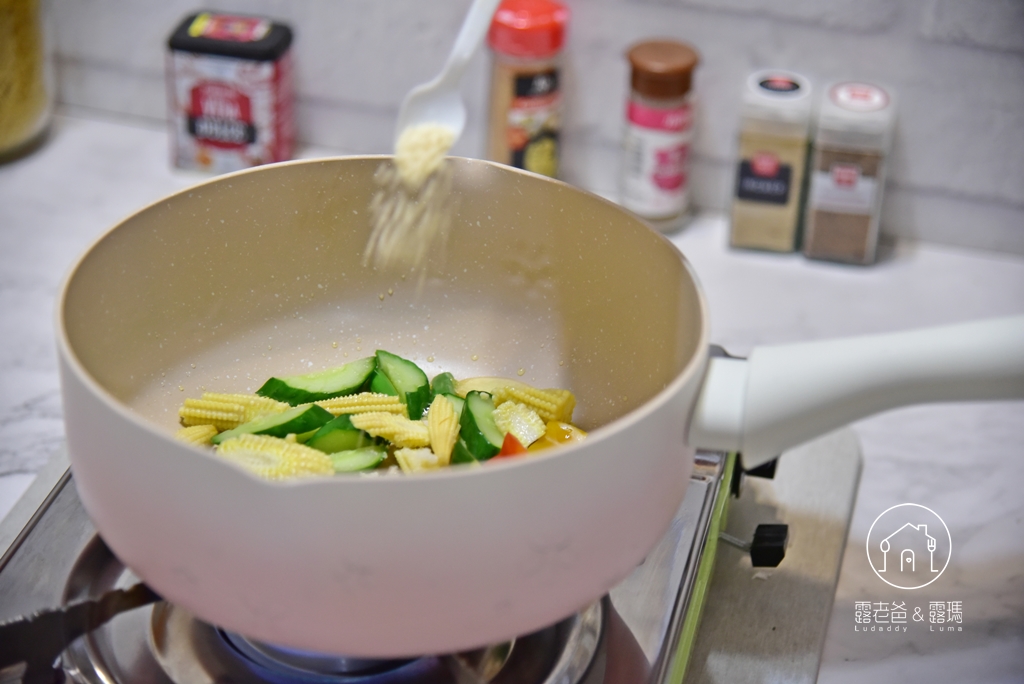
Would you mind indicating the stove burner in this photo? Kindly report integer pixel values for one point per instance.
(294, 666)
(304, 667)
(193, 652)
(165, 644)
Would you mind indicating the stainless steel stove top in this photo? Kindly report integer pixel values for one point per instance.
(630, 636)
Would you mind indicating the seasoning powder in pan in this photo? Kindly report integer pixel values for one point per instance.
(230, 92)
(852, 141)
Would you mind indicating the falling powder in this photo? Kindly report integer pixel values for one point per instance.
(412, 208)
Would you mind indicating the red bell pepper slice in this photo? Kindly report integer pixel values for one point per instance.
(511, 446)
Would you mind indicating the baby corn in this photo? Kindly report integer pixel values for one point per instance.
(253, 405)
(417, 460)
(221, 415)
(197, 434)
(365, 402)
(397, 429)
(550, 404)
(521, 420)
(275, 459)
(227, 411)
(443, 428)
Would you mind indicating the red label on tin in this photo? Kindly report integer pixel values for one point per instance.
(221, 116)
(229, 27)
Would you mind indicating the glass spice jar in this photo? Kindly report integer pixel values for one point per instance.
(659, 128)
(851, 143)
(526, 39)
(774, 126)
(26, 76)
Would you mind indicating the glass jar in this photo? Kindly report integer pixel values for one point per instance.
(772, 157)
(659, 129)
(854, 131)
(526, 39)
(26, 75)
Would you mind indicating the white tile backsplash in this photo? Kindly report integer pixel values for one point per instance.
(994, 24)
(957, 173)
(850, 15)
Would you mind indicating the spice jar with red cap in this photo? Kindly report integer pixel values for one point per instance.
(659, 128)
(526, 38)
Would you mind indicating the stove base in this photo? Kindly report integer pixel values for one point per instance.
(762, 624)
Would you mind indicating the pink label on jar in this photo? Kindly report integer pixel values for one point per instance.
(669, 167)
(677, 119)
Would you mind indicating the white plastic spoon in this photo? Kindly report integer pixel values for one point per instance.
(439, 101)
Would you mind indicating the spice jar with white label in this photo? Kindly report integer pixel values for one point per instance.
(526, 38)
(774, 131)
(852, 141)
(659, 128)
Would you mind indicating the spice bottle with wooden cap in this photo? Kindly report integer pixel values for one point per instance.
(659, 129)
(526, 38)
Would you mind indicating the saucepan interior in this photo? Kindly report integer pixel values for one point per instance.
(261, 274)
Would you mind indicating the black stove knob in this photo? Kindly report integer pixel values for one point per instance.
(769, 545)
(765, 470)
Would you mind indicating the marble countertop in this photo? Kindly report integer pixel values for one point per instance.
(964, 461)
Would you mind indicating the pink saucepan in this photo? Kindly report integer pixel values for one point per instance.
(259, 273)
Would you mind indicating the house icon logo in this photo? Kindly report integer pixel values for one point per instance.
(909, 546)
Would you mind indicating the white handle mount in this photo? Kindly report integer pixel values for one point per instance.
(784, 395)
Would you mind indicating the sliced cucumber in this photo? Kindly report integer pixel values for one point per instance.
(483, 438)
(380, 384)
(295, 421)
(354, 460)
(443, 384)
(336, 382)
(417, 401)
(339, 435)
(461, 453)
(408, 380)
(304, 437)
(458, 402)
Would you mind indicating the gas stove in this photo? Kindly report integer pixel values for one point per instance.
(645, 630)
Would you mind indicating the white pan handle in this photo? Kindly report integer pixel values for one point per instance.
(784, 395)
